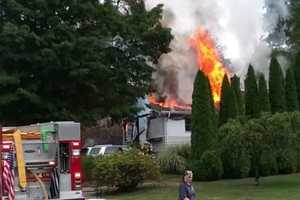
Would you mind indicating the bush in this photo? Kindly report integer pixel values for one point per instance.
(270, 144)
(284, 137)
(87, 165)
(184, 151)
(286, 162)
(173, 159)
(125, 171)
(268, 163)
(209, 167)
(235, 157)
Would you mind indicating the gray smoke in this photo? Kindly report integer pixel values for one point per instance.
(240, 28)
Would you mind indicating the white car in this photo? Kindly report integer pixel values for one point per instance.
(99, 150)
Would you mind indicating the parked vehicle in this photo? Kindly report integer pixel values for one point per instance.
(102, 150)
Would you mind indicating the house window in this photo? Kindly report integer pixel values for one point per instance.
(188, 124)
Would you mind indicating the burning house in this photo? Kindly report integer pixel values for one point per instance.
(169, 127)
(160, 125)
(167, 121)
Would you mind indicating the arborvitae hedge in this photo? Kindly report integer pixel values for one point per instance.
(276, 87)
(203, 117)
(251, 94)
(228, 104)
(296, 68)
(292, 103)
(236, 86)
(263, 95)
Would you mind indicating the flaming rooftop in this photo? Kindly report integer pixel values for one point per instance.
(209, 61)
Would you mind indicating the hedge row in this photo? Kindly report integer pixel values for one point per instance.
(269, 145)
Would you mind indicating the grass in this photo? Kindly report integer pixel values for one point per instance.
(271, 188)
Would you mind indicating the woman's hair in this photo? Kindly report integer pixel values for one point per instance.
(186, 173)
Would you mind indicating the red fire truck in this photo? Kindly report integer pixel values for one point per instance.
(46, 160)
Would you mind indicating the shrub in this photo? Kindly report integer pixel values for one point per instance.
(269, 144)
(268, 163)
(195, 165)
(298, 159)
(209, 167)
(184, 151)
(236, 162)
(282, 130)
(87, 165)
(295, 123)
(233, 150)
(286, 162)
(173, 159)
(125, 171)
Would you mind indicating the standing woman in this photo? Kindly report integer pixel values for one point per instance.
(186, 190)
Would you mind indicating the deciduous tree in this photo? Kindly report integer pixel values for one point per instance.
(76, 60)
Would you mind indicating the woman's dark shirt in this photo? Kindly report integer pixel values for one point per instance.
(186, 190)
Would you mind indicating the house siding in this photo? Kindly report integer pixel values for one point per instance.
(157, 128)
(176, 133)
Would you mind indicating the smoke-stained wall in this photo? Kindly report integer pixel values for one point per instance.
(242, 30)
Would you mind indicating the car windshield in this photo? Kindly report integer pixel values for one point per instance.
(111, 150)
(95, 151)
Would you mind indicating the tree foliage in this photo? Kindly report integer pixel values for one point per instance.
(291, 96)
(235, 84)
(203, 117)
(233, 149)
(256, 145)
(276, 87)
(271, 142)
(293, 33)
(296, 69)
(228, 104)
(263, 95)
(251, 93)
(210, 167)
(76, 60)
(293, 30)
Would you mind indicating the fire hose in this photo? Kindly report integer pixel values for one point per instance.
(42, 185)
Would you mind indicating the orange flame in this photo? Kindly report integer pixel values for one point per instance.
(209, 61)
(168, 103)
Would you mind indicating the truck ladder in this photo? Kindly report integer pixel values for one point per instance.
(20, 159)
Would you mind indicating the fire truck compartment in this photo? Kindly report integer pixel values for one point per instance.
(37, 153)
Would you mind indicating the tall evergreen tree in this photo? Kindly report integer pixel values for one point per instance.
(291, 96)
(228, 104)
(212, 104)
(296, 69)
(263, 95)
(276, 87)
(203, 119)
(293, 32)
(251, 93)
(236, 86)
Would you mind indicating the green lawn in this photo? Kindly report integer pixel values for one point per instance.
(271, 188)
